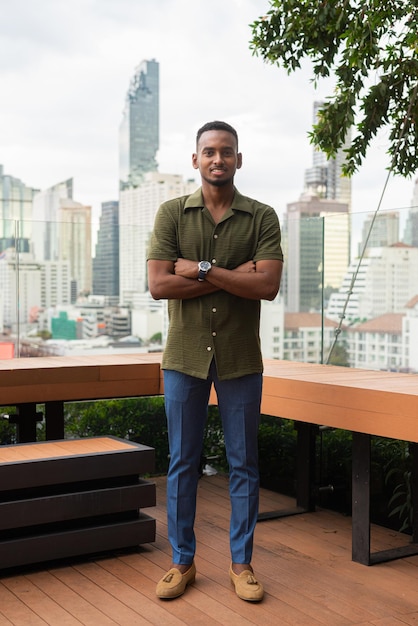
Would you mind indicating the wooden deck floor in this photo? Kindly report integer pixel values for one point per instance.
(304, 562)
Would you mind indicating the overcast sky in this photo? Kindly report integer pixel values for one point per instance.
(65, 68)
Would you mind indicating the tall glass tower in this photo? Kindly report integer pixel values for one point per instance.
(106, 261)
(139, 130)
(324, 179)
(15, 213)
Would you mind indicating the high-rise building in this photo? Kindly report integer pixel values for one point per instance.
(137, 209)
(45, 228)
(106, 260)
(316, 233)
(411, 226)
(61, 231)
(324, 179)
(385, 282)
(15, 213)
(75, 245)
(30, 286)
(139, 129)
(380, 230)
(316, 242)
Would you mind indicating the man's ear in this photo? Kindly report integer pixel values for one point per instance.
(239, 160)
(194, 161)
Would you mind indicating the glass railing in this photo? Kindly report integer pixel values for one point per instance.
(349, 293)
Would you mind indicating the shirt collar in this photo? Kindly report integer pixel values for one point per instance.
(239, 203)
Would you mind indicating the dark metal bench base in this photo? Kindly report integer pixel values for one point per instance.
(305, 469)
(361, 544)
(361, 463)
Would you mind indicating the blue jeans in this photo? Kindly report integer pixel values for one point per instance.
(186, 402)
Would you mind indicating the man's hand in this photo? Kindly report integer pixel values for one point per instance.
(186, 268)
(248, 266)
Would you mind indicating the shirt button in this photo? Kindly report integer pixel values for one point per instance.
(214, 334)
(215, 236)
(213, 261)
(214, 310)
(208, 348)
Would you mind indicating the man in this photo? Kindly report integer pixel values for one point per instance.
(214, 255)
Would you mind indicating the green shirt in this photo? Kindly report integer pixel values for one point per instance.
(217, 325)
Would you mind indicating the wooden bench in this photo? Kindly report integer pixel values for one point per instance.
(367, 403)
(73, 497)
(52, 381)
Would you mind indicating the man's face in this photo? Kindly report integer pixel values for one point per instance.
(217, 157)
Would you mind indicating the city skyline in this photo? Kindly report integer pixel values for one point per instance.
(78, 80)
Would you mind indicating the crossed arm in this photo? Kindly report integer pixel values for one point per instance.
(178, 280)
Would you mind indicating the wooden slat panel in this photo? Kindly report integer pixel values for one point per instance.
(131, 459)
(64, 448)
(75, 505)
(40, 548)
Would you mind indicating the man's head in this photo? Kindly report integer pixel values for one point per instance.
(216, 125)
(217, 157)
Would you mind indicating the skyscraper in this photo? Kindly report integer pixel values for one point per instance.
(316, 233)
(46, 216)
(324, 179)
(316, 240)
(380, 230)
(411, 226)
(106, 261)
(139, 129)
(137, 209)
(385, 283)
(75, 244)
(15, 213)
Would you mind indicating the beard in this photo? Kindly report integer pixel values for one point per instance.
(215, 182)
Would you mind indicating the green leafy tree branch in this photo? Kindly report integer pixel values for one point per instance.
(371, 48)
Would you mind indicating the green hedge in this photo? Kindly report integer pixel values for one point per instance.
(144, 420)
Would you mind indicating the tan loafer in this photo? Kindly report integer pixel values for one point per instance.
(174, 583)
(246, 585)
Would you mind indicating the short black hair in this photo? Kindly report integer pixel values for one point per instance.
(216, 125)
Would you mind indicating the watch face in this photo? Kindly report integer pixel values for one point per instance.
(204, 266)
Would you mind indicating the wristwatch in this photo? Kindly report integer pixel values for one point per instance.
(204, 267)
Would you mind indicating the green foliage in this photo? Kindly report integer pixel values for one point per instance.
(137, 419)
(144, 420)
(339, 355)
(7, 430)
(399, 478)
(402, 497)
(277, 454)
(371, 47)
(214, 443)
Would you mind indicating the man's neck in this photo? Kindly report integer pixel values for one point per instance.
(217, 199)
